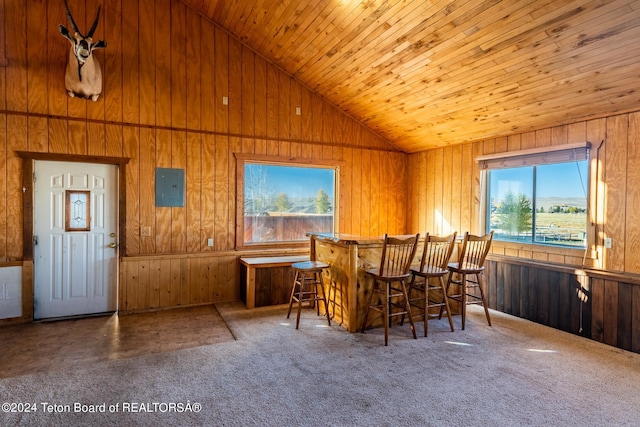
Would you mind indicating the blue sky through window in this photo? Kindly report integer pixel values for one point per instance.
(296, 182)
(553, 180)
(563, 180)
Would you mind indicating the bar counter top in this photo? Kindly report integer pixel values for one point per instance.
(346, 239)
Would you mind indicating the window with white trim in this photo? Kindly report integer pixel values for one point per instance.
(540, 197)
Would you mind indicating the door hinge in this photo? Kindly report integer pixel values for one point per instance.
(35, 240)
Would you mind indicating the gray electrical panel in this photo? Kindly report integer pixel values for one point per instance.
(169, 187)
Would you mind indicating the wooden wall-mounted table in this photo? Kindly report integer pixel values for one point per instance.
(249, 267)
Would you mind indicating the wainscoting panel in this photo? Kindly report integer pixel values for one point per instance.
(599, 305)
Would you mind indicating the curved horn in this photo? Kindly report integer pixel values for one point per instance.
(73, 23)
(95, 23)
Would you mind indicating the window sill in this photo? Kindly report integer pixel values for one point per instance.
(561, 268)
(546, 253)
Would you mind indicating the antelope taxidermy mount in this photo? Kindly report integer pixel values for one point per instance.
(83, 77)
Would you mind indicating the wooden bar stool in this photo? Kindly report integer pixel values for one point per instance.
(397, 256)
(433, 266)
(469, 271)
(305, 287)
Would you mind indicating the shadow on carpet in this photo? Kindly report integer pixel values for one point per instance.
(64, 344)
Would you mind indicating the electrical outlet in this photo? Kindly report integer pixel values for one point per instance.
(225, 100)
(145, 231)
(210, 242)
(608, 243)
(298, 111)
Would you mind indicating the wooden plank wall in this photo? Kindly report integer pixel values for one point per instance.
(616, 312)
(600, 306)
(162, 106)
(445, 191)
(555, 297)
(277, 284)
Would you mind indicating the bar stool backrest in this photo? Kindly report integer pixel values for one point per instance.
(437, 251)
(397, 255)
(474, 251)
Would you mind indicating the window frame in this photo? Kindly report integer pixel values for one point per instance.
(242, 158)
(535, 157)
(68, 195)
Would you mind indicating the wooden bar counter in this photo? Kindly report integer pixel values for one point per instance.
(348, 257)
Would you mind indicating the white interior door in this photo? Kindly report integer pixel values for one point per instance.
(75, 231)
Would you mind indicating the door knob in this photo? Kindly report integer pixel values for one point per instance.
(113, 245)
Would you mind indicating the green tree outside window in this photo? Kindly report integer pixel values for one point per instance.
(282, 202)
(515, 214)
(322, 202)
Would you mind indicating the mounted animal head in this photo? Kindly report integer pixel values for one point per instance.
(83, 76)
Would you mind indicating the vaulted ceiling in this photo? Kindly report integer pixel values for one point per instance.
(429, 73)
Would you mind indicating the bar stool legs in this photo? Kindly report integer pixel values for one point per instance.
(336, 299)
(308, 280)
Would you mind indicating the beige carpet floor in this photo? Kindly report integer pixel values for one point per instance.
(515, 373)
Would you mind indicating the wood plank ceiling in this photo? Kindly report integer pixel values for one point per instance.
(429, 73)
